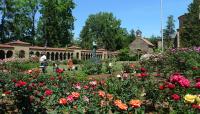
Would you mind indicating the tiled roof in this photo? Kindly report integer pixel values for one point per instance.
(147, 41)
(74, 47)
(48, 48)
(18, 42)
(6, 46)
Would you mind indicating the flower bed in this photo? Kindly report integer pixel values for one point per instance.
(139, 89)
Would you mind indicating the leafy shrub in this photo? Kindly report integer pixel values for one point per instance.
(125, 56)
(89, 67)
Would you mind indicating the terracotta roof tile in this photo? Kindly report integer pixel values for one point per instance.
(147, 41)
(18, 42)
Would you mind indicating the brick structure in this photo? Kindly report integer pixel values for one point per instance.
(19, 49)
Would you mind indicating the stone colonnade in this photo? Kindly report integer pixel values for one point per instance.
(52, 53)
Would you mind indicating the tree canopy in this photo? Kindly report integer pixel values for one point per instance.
(169, 31)
(18, 21)
(190, 31)
(105, 29)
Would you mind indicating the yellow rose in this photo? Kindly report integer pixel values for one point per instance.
(190, 98)
(198, 100)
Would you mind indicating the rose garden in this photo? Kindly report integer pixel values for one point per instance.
(162, 83)
(78, 57)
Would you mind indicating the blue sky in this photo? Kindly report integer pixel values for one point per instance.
(134, 14)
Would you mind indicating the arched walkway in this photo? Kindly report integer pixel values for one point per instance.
(61, 56)
(68, 57)
(37, 54)
(77, 55)
(52, 56)
(65, 56)
(2, 54)
(48, 55)
(21, 54)
(9, 54)
(56, 56)
(31, 53)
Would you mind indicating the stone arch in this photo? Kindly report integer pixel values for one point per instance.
(48, 55)
(37, 54)
(72, 55)
(56, 56)
(2, 54)
(61, 56)
(9, 54)
(31, 53)
(68, 55)
(52, 56)
(65, 56)
(21, 54)
(77, 55)
(87, 55)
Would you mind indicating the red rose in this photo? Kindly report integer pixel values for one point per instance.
(48, 92)
(144, 74)
(143, 69)
(85, 87)
(7, 92)
(20, 83)
(175, 97)
(42, 98)
(161, 87)
(197, 85)
(59, 77)
(194, 68)
(41, 84)
(52, 78)
(63, 101)
(31, 98)
(171, 86)
(196, 106)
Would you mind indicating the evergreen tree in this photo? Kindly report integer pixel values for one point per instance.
(56, 23)
(169, 32)
(190, 31)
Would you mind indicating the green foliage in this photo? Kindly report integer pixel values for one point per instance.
(91, 68)
(169, 32)
(57, 22)
(125, 56)
(190, 30)
(176, 60)
(18, 20)
(105, 29)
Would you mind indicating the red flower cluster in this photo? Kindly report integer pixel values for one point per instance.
(181, 80)
(175, 97)
(194, 68)
(101, 93)
(59, 70)
(72, 97)
(197, 85)
(196, 106)
(7, 92)
(48, 92)
(63, 101)
(20, 83)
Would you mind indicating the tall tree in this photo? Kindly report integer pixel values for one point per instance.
(169, 32)
(105, 29)
(190, 31)
(7, 13)
(57, 22)
(16, 20)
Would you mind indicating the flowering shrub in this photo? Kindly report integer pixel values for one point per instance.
(137, 91)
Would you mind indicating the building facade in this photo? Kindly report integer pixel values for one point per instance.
(19, 49)
(141, 44)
